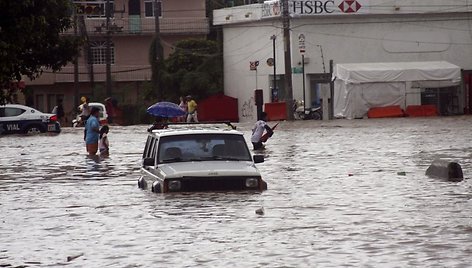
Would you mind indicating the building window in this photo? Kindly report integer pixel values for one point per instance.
(99, 52)
(94, 8)
(149, 8)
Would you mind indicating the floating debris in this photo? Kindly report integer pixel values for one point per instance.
(260, 211)
(71, 258)
(450, 171)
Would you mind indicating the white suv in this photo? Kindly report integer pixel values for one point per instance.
(199, 157)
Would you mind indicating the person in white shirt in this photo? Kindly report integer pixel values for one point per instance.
(258, 131)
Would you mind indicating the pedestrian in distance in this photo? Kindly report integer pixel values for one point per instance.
(84, 109)
(191, 110)
(92, 131)
(110, 109)
(58, 110)
(258, 131)
(104, 144)
(183, 105)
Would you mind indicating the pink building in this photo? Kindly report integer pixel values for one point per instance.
(132, 26)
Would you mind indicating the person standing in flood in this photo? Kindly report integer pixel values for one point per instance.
(92, 131)
(192, 110)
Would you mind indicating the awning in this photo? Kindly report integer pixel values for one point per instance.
(356, 73)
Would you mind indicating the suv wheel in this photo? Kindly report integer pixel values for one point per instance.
(156, 187)
(142, 183)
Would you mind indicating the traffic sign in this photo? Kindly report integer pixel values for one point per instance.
(253, 65)
(301, 43)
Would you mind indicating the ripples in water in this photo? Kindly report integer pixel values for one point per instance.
(341, 193)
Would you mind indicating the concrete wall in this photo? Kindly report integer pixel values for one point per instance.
(343, 39)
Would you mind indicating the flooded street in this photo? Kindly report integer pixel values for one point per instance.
(340, 193)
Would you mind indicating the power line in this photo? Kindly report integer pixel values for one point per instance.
(95, 72)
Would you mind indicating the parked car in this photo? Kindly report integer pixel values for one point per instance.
(16, 118)
(197, 157)
(103, 115)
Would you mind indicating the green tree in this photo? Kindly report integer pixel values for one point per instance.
(31, 40)
(195, 67)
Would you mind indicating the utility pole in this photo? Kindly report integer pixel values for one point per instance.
(157, 11)
(76, 64)
(108, 50)
(274, 84)
(288, 60)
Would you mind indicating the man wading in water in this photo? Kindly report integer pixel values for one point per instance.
(92, 131)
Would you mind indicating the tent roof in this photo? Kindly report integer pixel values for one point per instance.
(397, 72)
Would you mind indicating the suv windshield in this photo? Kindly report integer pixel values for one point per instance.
(203, 147)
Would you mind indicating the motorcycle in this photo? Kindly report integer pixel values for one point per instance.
(302, 113)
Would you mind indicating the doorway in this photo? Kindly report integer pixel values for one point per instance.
(277, 88)
(467, 79)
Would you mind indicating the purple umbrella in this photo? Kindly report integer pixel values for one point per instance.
(165, 109)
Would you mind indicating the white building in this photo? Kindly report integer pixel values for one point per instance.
(349, 31)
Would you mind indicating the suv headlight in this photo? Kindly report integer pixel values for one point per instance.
(174, 185)
(252, 182)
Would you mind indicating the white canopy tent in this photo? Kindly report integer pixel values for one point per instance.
(361, 86)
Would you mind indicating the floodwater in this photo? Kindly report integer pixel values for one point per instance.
(341, 193)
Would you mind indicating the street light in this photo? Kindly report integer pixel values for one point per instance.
(273, 37)
(157, 33)
(108, 49)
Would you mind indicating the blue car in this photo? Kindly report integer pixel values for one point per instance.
(21, 119)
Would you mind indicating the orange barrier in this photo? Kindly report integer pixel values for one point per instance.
(421, 110)
(388, 111)
(275, 111)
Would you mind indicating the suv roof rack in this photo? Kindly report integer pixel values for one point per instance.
(215, 124)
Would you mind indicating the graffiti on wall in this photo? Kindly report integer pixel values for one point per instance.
(247, 110)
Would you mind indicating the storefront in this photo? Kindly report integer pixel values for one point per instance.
(367, 31)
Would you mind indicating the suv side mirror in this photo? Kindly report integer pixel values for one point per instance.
(148, 162)
(258, 158)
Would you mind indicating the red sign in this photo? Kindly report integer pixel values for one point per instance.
(253, 65)
(349, 6)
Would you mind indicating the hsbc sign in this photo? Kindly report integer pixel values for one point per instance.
(316, 7)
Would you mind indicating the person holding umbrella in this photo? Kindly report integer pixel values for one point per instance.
(160, 123)
(163, 111)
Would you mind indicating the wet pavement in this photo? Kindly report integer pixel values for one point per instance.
(341, 193)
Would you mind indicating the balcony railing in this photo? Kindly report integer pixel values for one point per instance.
(118, 74)
(139, 25)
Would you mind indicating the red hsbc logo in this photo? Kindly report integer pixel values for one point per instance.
(273, 8)
(349, 6)
(276, 8)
